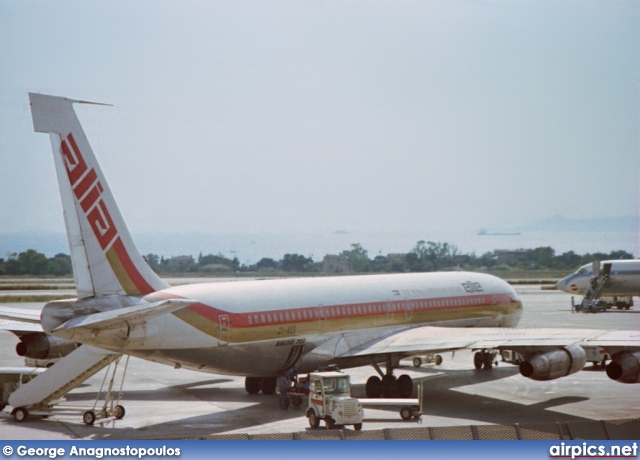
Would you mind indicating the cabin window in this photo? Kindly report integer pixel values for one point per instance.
(299, 315)
(269, 317)
(281, 317)
(304, 313)
(349, 311)
(250, 319)
(286, 314)
(262, 318)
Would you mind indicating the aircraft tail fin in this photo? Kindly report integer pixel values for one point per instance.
(104, 257)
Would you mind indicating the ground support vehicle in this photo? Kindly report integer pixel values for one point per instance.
(427, 359)
(330, 400)
(298, 389)
(596, 355)
(110, 410)
(409, 407)
(512, 357)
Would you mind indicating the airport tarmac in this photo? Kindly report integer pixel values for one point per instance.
(162, 402)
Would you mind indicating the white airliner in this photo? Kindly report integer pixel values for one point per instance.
(259, 329)
(622, 285)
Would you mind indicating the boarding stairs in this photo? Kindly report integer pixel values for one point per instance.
(596, 284)
(43, 392)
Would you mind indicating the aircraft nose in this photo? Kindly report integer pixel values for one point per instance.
(561, 285)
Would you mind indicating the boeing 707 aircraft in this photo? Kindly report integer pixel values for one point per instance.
(258, 329)
(619, 288)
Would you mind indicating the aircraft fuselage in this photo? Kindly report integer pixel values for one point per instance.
(265, 326)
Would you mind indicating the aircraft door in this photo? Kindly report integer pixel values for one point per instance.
(321, 315)
(408, 308)
(225, 329)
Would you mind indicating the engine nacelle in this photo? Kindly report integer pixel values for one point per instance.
(43, 346)
(554, 364)
(625, 367)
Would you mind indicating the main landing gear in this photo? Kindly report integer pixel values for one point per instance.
(485, 358)
(387, 385)
(255, 385)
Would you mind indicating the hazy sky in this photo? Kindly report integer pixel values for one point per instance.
(299, 116)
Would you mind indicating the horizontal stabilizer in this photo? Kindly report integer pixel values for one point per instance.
(132, 315)
(20, 314)
(19, 328)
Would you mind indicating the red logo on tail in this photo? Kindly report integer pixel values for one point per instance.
(88, 190)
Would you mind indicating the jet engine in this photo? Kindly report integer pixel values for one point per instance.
(554, 364)
(625, 367)
(43, 346)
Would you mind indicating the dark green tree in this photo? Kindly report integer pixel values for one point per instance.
(32, 262)
(297, 263)
(357, 258)
(60, 265)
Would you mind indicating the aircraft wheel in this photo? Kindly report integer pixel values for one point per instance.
(252, 385)
(314, 421)
(406, 413)
(374, 387)
(268, 385)
(478, 360)
(488, 360)
(357, 426)
(118, 411)
(20, 414)
(89, 417)
(405, 386)
(390, 387)
(417, 362)
(438, 360)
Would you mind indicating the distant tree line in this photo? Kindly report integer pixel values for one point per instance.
(32, 262)
(424, 257)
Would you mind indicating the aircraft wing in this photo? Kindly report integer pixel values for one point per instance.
(430, 339)
(20, 314)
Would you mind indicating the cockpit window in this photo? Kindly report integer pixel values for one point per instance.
(583, 271)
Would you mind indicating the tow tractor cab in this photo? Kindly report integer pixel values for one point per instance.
(330, 400)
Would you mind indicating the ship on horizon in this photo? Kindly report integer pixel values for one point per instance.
(484, 232)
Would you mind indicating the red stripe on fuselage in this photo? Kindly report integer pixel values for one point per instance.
(346, 311)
